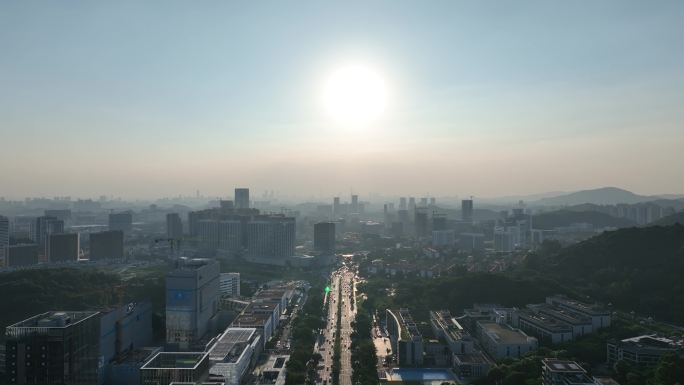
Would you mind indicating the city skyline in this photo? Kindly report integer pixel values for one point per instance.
(142, 100)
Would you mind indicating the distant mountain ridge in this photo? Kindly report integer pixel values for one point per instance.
(599, 196)
(559, 218)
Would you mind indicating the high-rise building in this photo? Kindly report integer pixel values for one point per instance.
(324, 237)
(467, 210)
(412, 204)
(192, 297)
(421, 223)
(54, 348)
(107, 245)
(433, 201)
(63, 247)
(208, 233)
(241, 198)
(22, 255)
(43, 227)
(61, 214)
(423, 202)
(229, 284)
(355, 203)
(226, 204)
(230, 235)
(4, 240)
(271, 237)
(121, 221)
(336, 206)
(402, 203)
(174, 226)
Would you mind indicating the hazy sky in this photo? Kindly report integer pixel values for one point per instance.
(152, 98)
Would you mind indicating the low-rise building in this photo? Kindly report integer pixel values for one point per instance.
(562, 372)
(600, 317)
(260, 321)
(233, 354)
(406, 339)
(167, 367)
(125, 369)
(643, 350)
(542, 326)
(229, 284)
(502, 341)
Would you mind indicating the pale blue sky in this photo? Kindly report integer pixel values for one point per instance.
(151, 98)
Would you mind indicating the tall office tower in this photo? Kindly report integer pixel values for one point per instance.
(192, 299)
(241, 198)
(4, 240)
(433, 201)
(121, 221)
(54, 348)
(44, 226)
(402, 203)
(324, 237)
(467, 210)
(421, 222)
(229, 284)
(412, 204)
(106, 245)
(174, 226)
(423, 202)
(63, 247)
(271, 237)
(230, 235)
(336, 207)
(355, 203)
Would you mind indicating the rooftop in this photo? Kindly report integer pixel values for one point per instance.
(232, 343)
(448, 324)
(54, 319)
(562, 366)
(504, 334)
(656, 342)
(565, 315)
(256, 319)
(545, 321)
(175, 360)
(592, 309)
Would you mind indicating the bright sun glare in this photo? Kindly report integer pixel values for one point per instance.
(355, 96)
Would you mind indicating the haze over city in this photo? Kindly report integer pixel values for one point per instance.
(150, 99)
(384, 192)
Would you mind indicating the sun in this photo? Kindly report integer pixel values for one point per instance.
(355, 95)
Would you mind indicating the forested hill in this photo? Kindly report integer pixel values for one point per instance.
(640, 269)
(553, 219)
(670, 220)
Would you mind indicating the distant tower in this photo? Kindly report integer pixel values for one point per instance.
(324, 237)
(241, 198)
(336, 206)
(355, 203)
(467, 210)
(174, 226)
(402, 203)
(4, 240)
